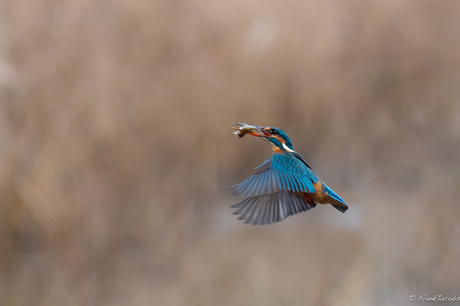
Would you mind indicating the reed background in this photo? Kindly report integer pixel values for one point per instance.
(116, 150)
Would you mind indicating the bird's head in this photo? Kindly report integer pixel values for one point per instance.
(277, 137)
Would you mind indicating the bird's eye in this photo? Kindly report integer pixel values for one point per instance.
(275, 132)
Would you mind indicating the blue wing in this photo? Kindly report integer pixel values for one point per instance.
(271, 208)
(282, 171)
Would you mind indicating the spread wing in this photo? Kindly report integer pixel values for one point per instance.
(271, 208)
(282, 171)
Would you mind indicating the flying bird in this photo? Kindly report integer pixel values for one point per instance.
(283, 185)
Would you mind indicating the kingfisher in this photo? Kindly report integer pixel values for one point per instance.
(283, 185)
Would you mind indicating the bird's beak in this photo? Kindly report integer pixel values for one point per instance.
(253, 130)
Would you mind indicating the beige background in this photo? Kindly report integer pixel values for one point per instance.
(116, 150)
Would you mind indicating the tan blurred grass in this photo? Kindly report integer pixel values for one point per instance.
(117, 150)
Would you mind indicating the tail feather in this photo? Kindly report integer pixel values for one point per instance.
(335, 200)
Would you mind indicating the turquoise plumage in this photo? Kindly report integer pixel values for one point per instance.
(281, 186)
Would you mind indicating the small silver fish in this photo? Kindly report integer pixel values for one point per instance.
(244, 129)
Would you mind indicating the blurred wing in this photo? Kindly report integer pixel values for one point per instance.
(282, 171)
(271, 208)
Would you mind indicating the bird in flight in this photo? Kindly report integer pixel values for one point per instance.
(283, 185)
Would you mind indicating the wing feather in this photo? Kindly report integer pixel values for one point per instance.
(270, 208)
(282, 171)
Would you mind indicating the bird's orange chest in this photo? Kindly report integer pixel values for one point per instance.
(319, 196)
(276, 150)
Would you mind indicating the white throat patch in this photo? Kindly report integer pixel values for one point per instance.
(287, 148)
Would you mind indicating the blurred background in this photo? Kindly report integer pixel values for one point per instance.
(116, 150)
